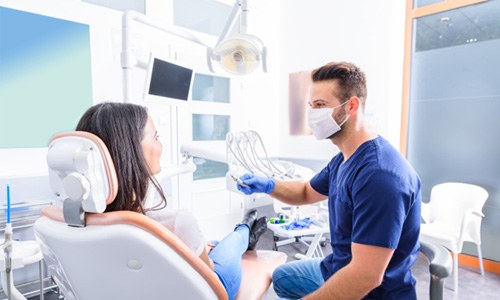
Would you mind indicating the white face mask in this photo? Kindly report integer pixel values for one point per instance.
(321, 122)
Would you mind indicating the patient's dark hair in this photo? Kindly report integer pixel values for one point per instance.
(120, 126)
(350, 78)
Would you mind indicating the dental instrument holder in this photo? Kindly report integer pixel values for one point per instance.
(242, 156)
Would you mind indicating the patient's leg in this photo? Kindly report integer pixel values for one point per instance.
(227, 258)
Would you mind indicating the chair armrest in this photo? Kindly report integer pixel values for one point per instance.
(440, 262)
(471, 217)
(440, 267)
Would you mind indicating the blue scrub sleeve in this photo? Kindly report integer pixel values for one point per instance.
(320, 182)
(381, 202)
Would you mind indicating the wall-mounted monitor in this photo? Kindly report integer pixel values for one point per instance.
(167, 80)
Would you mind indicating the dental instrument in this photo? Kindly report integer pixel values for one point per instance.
(7, 248)
(237, 180)
(242, 150)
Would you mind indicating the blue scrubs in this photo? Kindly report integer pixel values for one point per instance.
(374, 199)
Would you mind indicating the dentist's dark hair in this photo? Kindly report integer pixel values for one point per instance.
(350, 78)
(120, 126)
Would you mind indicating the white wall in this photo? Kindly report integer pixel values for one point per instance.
(106, 84)
(261, 101)
(367, 33)
(105, 41)
(300, 35)
(255, 95)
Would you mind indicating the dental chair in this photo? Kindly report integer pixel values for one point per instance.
(122, 254)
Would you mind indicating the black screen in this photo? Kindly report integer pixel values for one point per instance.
(170, 80)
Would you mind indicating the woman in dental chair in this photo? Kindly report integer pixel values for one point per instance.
(133, 142)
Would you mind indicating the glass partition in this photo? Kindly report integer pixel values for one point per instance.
(210, 128)
(206, 169)
(420, 3)
(453, 123)
(210, 88)
(455, 96)
(467, 25)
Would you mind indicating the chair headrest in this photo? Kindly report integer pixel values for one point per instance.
(81, 174)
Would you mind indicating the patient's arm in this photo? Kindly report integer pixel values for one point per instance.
(204, 257)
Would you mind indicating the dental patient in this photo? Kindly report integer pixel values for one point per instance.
(133, 142)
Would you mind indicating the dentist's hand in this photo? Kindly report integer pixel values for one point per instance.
(257, 184)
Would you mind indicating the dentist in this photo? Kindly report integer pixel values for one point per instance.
(373, 198)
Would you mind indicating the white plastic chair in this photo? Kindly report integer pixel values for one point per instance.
(453, 216)
(123, 254)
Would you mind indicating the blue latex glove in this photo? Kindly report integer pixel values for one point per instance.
(256, 184)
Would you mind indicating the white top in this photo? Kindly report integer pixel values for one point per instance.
(181, 222)
(184, 225)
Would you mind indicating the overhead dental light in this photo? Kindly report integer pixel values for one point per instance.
(238, 54)
(241, 53)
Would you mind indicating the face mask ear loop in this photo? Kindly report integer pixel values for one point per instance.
(345, 120)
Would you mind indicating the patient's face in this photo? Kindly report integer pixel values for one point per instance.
(151, 147)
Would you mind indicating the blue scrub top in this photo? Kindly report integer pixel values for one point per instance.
(374, 199)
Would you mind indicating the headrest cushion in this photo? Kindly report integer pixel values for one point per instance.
(81, 169)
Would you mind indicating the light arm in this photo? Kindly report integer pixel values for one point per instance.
(242, 53)
(230, 21)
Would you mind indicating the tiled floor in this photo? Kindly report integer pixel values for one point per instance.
(471, 284)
